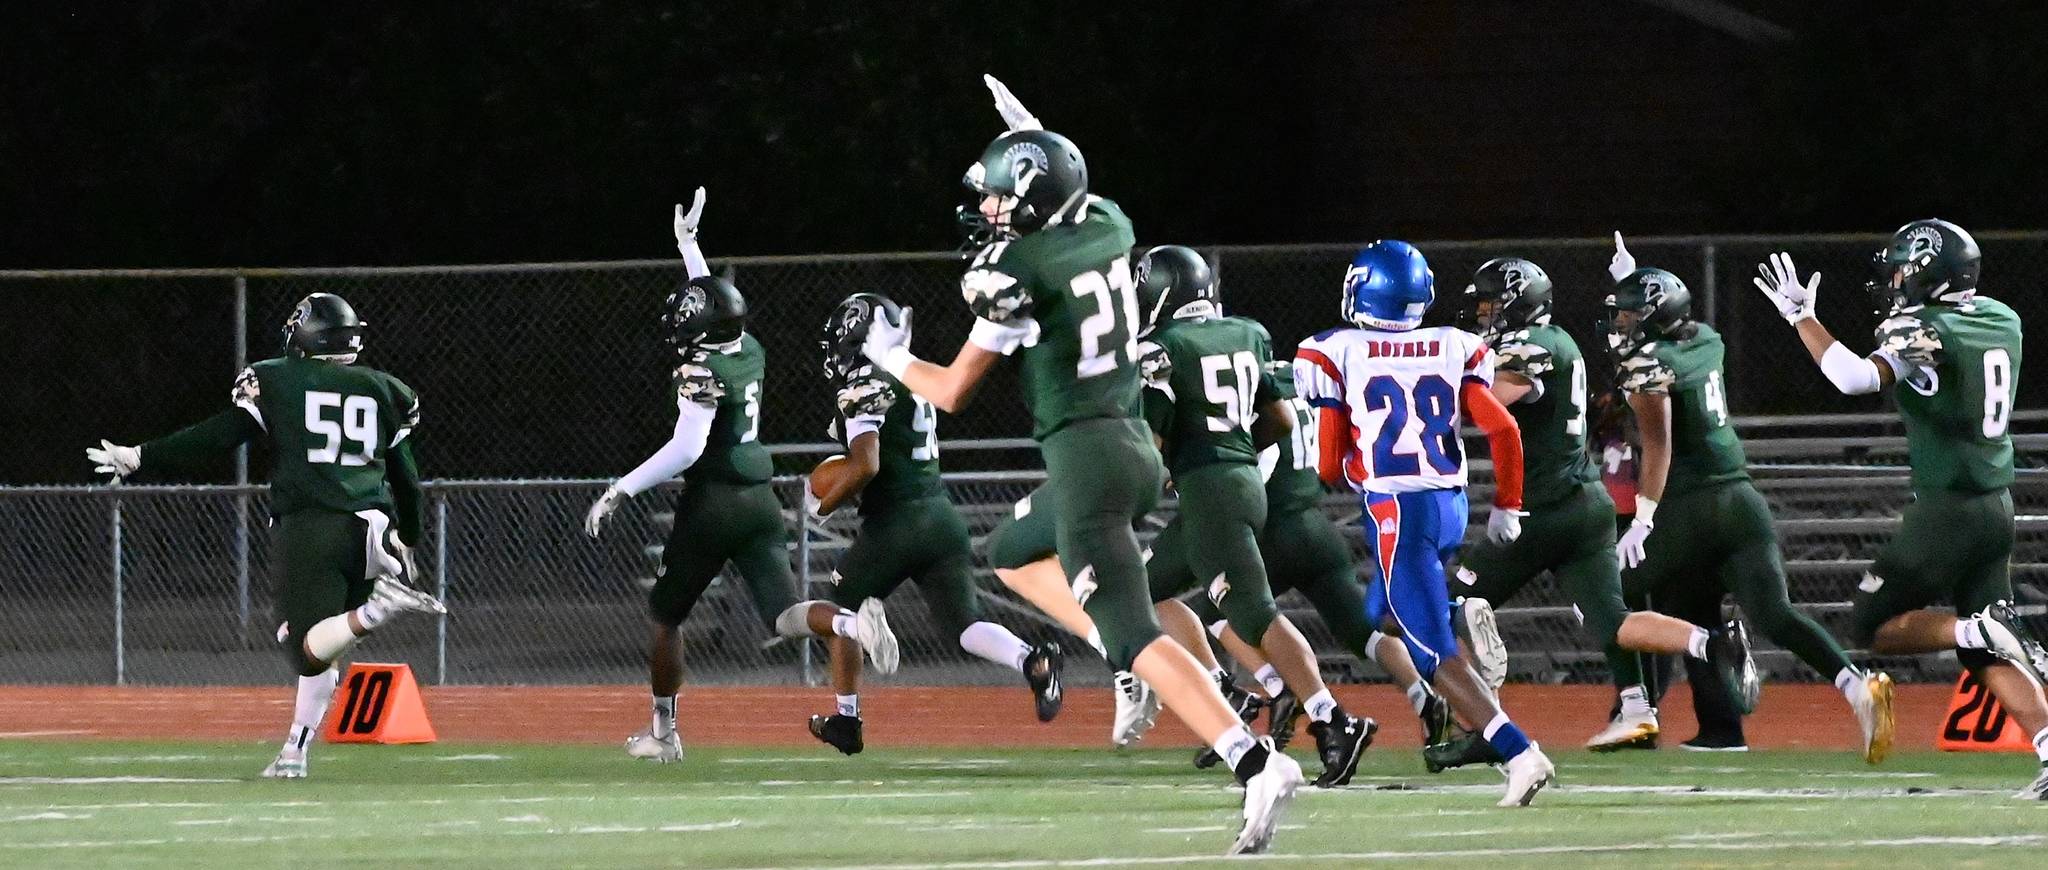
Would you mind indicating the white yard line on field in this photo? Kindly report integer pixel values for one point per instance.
(104, 780)
(15, 735)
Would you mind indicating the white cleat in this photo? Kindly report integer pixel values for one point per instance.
(1265, 798)
(2007, 640)
(1872, 703)
(871, 627)
(1482, 637)
(1527, 774)
(395, 595)
(2038, 791)
(662, 749)
(1137, 707)
(1627, 731)
(287, 766)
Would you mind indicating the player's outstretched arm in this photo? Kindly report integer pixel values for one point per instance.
(693, 430)
(1795, 300)
(686, 236)
(180, 450)
(948, 387)
(1504, 439)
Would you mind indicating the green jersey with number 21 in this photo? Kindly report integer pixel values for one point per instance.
(1704, 448)
(1062, 298)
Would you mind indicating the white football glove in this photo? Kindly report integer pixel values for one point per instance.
(686, 221)
(1623, 262)
(1631, 549)
(1007, 105)
(888, 344)
(1504, 525)
(114, 459)
(812, 503)
(593, 522)
(408, 560)
(1779, 280)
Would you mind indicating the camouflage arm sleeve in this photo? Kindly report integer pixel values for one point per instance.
(1909, 341)
(1644, 373)
(1526, 360)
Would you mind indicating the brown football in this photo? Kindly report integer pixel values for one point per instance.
(829, 474)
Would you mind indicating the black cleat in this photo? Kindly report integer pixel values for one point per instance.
(1466, 748)
(1438, 726)
(1715, 743)
(1728, 653)
(1042, 671)
(1340, 742)
(1281, 714)
(1241, 700)
(841, 732)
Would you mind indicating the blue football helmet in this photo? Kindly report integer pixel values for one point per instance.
(1388, 287)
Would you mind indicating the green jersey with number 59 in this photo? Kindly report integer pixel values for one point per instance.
(1293, 486)
(1063, 299)
(908, 429)
(1704, 448)
(728, 377)
(1555, 464)
(331, 427)
(1205, 381)
(1958, 400)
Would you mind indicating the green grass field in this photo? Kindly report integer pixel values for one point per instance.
(199, 804)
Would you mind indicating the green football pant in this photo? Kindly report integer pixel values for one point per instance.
(1305, 552)
(1721, 538)
(1102, 475)
(1573, 539)
(1951, 546)
(718, 523)
(1213, 542)
(924, 540)
(328, 570)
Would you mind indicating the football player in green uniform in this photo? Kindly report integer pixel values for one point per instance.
(1951, 358)
(1541, 377)
(344, 495)
(1213, 405)
(909, 528)
(1053, 287)
(727, 511)
(1698, 519)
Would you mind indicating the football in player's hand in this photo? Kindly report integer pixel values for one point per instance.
(830, 474)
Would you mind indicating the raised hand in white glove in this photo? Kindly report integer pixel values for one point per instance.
(1007, 105)
(1504, 525)
(1779, 280)
(1631, 549)
(888, 344)
(1623, 262)
(686, 221)
(114, 459)
(593, 522)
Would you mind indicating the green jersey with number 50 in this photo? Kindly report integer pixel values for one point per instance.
(908, 429)
(331, 426)
(1293, 485)
(1958, 400)
(1704, 448)
(1205, 381)
(1063, 299)
(1555, 464)
(728, 377)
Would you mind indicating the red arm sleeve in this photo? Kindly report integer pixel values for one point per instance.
(1503, 436)
(1336, 444)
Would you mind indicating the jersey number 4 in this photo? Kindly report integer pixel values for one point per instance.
(1436, 405)
(354, 421)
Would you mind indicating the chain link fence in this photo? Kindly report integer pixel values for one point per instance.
(542, 381)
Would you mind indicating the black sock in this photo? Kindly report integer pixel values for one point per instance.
(1252, 764)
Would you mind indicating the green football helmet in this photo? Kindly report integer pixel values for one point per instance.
(1175, 282)
(1662, 308)
(1928, 262)
(707, 310)
(1039, 178)
(1519, 291)
(323, 324)
(847, 328)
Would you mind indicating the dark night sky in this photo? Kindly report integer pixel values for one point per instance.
(244, 133)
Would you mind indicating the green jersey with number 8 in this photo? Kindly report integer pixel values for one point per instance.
(728, 377)
(1704, 448)
(1958, 399)
(907, 427)
(1064, 296)
(1205, 381)
(1555, 463)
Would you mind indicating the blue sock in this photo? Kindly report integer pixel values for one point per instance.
(1505, 738)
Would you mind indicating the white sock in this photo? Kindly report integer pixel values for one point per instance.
(1418, 695)
(2041, 745)
(1234, 744)
(996, 644)
(331, 637)
(1970, 635)
(1635, 701)
(371, 615)
(1320, 706)
(1499, 720)
(1372, 647)
(1696, 646)
(664, 715)
(310, 710)
(1850, 682)
(846, 624)
(1270, 678)
(849, 705)
(1095, 642)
